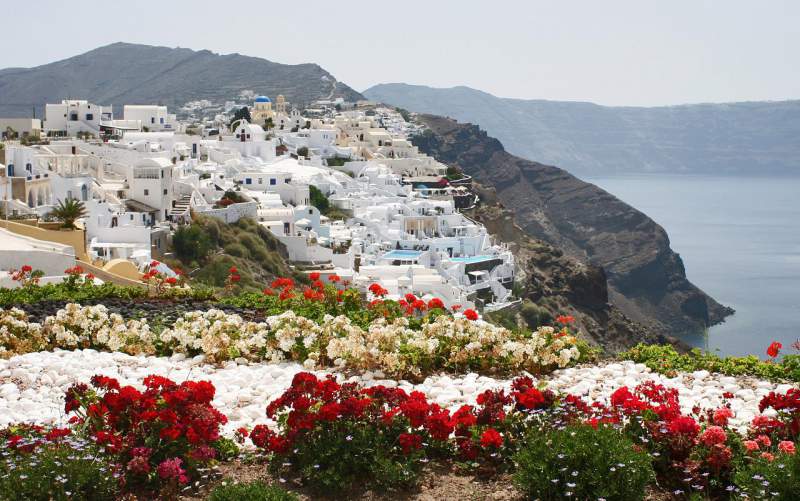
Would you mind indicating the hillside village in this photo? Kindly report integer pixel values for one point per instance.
(389, 347)
(338, 184)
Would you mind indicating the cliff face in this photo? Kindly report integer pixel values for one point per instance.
(646, 279)
(553, 283)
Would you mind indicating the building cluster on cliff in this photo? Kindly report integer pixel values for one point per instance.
(339, 184)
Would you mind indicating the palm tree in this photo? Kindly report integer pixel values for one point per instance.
(68, 212)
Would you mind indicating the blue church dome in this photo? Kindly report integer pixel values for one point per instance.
(262, 99)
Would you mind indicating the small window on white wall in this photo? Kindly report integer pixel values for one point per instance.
(146, 192)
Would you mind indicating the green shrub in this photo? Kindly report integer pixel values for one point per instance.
(534, 315)
(237, 250)
(336, 456)
(63, 292)
(191, 243)
(778, 479)
(250, 491)
(667, 360)
(581, 462)
(68, 468)
(318, 199)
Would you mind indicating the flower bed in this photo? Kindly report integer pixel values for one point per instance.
(446, 342)
(384, 433)
(328, 433)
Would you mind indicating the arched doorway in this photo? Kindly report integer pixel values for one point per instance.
(84, 193)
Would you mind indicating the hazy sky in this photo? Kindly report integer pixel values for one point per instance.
(634, 52)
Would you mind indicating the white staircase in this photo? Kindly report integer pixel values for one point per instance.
(182, 206)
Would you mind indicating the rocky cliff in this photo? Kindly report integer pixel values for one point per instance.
(646, 279)
(552, 283)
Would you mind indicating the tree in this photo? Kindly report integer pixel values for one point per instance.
(302, 151)
(241, 113)
(268, 123)
(191, 243)
(318, 200)
(68, 212)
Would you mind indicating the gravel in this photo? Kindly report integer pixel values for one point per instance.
(32, 386)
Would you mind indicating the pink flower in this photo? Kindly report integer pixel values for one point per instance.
(769, 457)
(171, 469)
(750, 445)
(787, 447)
(713, 435)
(722, 415)
(764, 441)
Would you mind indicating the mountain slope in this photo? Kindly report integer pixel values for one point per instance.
(123, 73)
(646, 279)
(588, 139)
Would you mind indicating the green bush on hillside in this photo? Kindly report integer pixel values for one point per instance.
(210, 247)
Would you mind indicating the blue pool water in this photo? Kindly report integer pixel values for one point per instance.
(402, 254)
(471, 259)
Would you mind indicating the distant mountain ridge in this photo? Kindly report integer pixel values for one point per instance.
(747, 138)
(124, 73)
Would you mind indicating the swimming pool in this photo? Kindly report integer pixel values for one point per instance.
(402, 254)
(471, 259)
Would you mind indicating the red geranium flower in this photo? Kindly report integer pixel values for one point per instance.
(491, 438)
(471, 314)
(565, 319)
(774, 349)
(435, 303)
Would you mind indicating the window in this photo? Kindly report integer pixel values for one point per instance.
(161, 120)
(273, 181)
(73, 117)
(146, 192)
(248, 181)
(89, 117)
(165, 191)
(152, 120)
(260, 181)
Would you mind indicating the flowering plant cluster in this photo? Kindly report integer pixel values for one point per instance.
(76, 278)
(439, 342)
(26, 276)
(320, 422)
(159, 281)
(334, 434)
(161, 436)
(54, 463)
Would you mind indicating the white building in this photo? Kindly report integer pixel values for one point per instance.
(155, 118)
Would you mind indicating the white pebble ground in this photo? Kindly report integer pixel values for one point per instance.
(32, 386)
